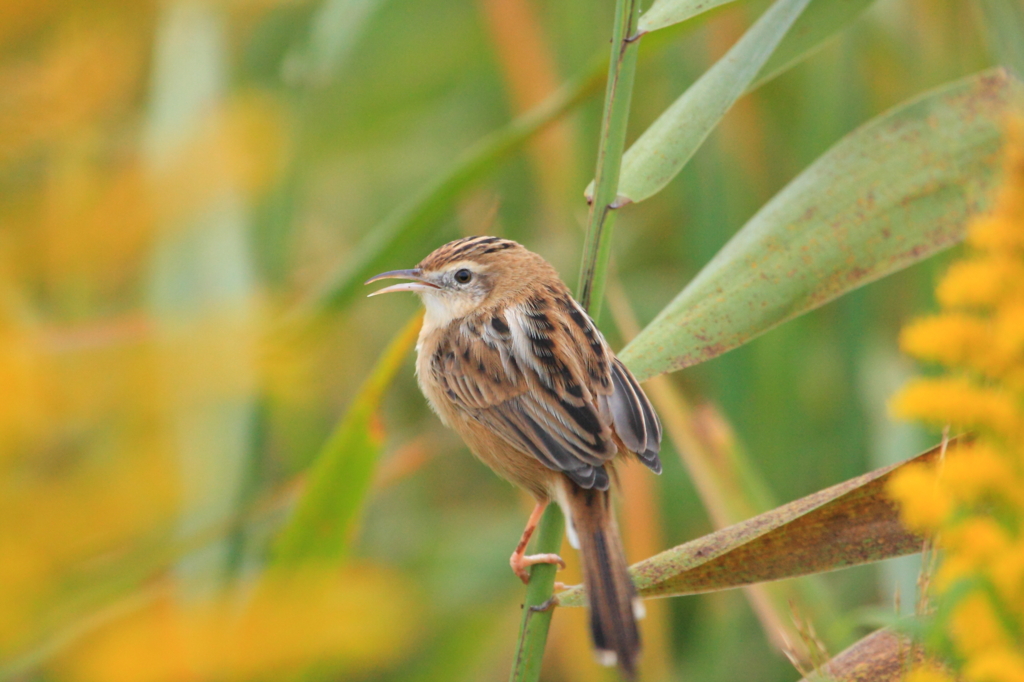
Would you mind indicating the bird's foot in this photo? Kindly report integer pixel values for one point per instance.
(520, 563)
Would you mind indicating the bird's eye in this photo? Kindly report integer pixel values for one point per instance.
(463, 276)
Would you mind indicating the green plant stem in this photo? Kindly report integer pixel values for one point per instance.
(618, 93)
(533, 632)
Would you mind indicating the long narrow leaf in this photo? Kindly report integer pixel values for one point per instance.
(341, 476)
(820, 21)
(665, 147)
(667, 12)
(731, 491)
(848, 524)
(890, 194)
(882, 656)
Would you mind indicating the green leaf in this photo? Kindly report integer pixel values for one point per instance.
(667, 12)
(731, 491)
(848, 524)
(882, 656)
(667, 145)
(820, 21)
(1003, 24)
(897, 190)
(340, 477)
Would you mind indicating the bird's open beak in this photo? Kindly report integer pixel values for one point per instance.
(418, 283)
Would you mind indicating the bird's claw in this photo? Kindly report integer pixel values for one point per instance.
(521, 562)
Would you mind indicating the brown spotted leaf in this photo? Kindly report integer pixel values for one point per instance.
(848, 524)
(882, 656)
(895, 191)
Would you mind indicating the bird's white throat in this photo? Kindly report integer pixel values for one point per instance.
(442, 308)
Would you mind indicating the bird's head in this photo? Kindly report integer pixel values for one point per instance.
(468, 274)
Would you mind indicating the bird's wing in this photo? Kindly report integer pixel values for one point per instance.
(540, 375)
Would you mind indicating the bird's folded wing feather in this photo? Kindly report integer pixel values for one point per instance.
(540, 375)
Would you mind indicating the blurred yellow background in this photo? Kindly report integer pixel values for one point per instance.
(178, 179)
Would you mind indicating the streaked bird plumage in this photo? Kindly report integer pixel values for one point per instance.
(512, 363)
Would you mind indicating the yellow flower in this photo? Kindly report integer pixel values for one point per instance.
(952, 569)
(923, 504)
(928, 673)
(958, 401)
(978, 469)
(980, 282)
(1007, 572)
(975, 627)
(1008, 334)
(1000, 665)
(361, 617)
(977, 540)
(952, 338)
(972, 501)
(996, 233)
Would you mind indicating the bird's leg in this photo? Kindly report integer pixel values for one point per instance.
(519, 560)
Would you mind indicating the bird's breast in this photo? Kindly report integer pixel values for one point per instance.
(445, 361)
(427, 346)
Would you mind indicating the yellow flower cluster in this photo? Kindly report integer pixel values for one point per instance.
(356, 616)
(972, 501)
(124, 419)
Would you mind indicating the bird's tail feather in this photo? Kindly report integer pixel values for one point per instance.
(614, 606)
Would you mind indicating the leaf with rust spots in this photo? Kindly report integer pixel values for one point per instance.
(848, 524)
(882, 656)
(897, 190)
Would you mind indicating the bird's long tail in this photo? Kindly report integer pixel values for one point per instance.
(614, 606)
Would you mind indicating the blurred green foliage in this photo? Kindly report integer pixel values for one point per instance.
(167, 204)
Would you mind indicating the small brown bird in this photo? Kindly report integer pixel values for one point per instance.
(509, 360)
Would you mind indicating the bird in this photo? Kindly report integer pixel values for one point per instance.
(509, 360)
